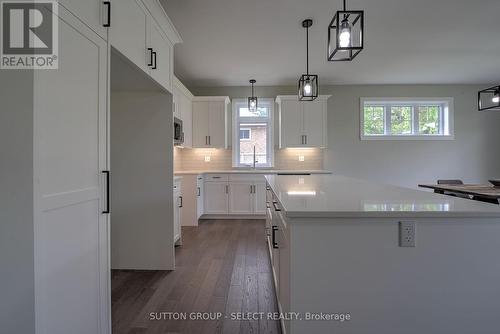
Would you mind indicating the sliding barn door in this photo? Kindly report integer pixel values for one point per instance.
(71, 232)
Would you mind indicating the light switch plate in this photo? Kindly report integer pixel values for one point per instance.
(407, 234)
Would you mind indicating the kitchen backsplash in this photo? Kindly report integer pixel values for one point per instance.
(217, 159)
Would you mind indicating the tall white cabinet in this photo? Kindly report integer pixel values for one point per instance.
(70, 152)
(183, 110)
(210, 121)
(71, 155)
(302, 123)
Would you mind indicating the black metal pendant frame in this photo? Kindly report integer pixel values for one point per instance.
(485, 96)
(252, 98)
(312, 79)
(357, 22)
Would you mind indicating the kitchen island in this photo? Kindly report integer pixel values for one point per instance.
(351, 256)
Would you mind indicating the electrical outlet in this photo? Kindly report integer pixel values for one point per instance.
(301, 158)
(407, 234)
(207, 158)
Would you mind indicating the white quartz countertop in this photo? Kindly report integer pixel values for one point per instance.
(251, 171)
(334, 196)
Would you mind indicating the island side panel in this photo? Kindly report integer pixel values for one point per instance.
(448, 283)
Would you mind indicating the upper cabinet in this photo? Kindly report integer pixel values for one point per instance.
(302, 123)
(183, 109)
(210, 122)
(142, 32)
(94, 13)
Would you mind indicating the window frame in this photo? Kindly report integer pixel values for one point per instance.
(446, 117)
(249, 134)
(236, 120)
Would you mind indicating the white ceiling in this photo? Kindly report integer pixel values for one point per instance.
(227, 42)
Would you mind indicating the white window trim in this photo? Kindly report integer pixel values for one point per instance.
(235, 139)
(448, 116)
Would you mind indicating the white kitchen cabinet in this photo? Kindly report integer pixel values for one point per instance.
(71, 266)
(210, 121)
(216, 197)
(302, 123)
(163, 55)
(128, 31)
(183, 110)
(94, 13)
(178, 203)
(241, 199)
(259, 198)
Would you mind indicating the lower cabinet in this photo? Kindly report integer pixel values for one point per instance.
(236, 194)
(177, 212)
(278, 236)
(200, 205)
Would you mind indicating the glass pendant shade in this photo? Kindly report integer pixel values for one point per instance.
(308, 83)
(345, 35)
(252, 100)
(489, 99)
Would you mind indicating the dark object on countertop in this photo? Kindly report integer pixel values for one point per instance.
(450, 182)
(294, 173)
(496, 183)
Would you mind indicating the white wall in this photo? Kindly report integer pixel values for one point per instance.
(142, 181)
(473, 156)
(17, 313)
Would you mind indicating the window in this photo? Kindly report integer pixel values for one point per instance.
(245, 134)
(255, 134)
(406, 118)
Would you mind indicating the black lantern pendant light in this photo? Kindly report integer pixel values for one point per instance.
(345, 35)
(489, 99)
(252, 101)
(308, 83)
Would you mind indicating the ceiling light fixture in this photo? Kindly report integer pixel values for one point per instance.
(308, 83)
(347, 26)
(489, 99)
(252, 101)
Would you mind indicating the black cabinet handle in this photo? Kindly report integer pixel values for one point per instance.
(106, 172)
(150, 57)
(276, 206)
(199, 192)
(273, 235)
(108, 16)
(154, 58)
(180, 198)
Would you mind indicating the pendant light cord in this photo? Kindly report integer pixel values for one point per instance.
(307, 50)
(344, 5)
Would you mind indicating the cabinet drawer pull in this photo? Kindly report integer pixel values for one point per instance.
(108, 16)
(275, 204)
(199, 192)
(150, 57)
(273, 235)
(107, 210)
(180, 199)
(215, 177)
(154, 58)
(227, 189)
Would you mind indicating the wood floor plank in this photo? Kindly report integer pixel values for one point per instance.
(222, 267)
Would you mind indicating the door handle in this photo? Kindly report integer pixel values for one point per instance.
(273, 235)
(251, 189)
(305, 139)
(227, 189)
(108, 16)
(199, 192)
(209, 140)
(180, 198)
(107, 210)
(154, 58)
(150, 57)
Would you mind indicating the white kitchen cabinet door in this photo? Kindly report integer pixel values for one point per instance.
(241, 198)
(200, 124)
(291, 123)
(200, 195)
(127, 33)
(176, 100)
(187, 120)
(284, 273)
(314, 123)
(177, 212)
(71, 238)
(92, 12)
(216, 197)
(217, 124)
(162, 69)
(259, 198)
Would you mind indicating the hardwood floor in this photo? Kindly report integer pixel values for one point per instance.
(223, 266)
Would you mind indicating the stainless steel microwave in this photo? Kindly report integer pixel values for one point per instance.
(178, 133)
